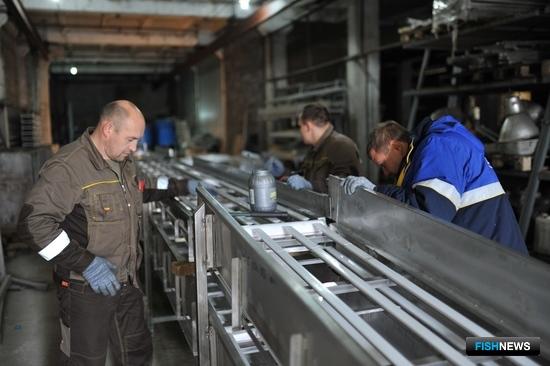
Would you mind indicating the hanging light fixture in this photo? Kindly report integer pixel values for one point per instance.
(244, 4)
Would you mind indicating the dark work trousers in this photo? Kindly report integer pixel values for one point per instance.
(92, 322)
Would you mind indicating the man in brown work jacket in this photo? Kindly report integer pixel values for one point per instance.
(330, 153)
(83, 216)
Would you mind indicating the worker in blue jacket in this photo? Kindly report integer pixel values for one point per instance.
(441, 169)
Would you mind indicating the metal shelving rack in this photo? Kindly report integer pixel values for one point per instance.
(536, 26)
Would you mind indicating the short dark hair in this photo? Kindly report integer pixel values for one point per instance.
(315, 113)
(114, 112)
(385, 132)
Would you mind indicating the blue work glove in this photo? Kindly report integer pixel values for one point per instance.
(193, 184)
(298, 182)
(351, 184)
(274, 166)
(100, 275)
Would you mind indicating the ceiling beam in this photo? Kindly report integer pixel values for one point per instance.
(16, 10)
(108, 59)
(97, 54)
(108, 68)
(261, 15)
(115, 37)
(194, 8)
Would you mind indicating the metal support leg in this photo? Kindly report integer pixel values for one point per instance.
(190, 241)
(534, 178)
(419, 83)
(202, 286)
(147, 242)
(179, 299)
(213, 347)
(236, 289)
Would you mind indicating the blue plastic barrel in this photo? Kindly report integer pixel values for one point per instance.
(148, 136)
(166, 132)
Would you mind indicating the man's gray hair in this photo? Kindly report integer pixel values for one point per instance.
(114, 112)
(385, 132)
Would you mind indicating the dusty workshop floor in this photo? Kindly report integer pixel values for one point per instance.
(30, 330)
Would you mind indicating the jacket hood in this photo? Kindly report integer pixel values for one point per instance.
(445, 125)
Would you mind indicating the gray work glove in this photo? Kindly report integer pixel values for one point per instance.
(274, 166)
(193, 184)
(351, 184)
(100, 274)
(298, 182)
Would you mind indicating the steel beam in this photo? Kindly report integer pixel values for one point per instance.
(372, 40)
(17, 10)
(357, 79)
(115, 37)
(206, 9)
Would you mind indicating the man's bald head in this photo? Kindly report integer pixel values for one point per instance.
(121, 125)
(119, 112)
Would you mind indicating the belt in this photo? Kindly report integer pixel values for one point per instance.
(80, 285)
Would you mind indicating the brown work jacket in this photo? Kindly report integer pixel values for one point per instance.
(334, 154)
(81, 208)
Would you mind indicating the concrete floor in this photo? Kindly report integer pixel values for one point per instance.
(30, 325)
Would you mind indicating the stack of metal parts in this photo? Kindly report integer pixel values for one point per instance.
(502, 54)
(518, 135)
(30, 130)
(288, 101)
(377, 286)
(447, 13)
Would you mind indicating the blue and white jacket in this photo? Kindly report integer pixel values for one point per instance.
(446, 174)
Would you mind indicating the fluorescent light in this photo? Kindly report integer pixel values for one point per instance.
(73, 70)
(245, 4)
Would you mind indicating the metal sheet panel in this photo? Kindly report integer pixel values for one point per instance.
(18, 171)
(498, 285)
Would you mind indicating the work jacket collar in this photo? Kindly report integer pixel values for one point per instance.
(422, 130)
(323, 138)
(95, 156)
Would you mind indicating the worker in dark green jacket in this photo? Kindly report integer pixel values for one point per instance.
(331, 152)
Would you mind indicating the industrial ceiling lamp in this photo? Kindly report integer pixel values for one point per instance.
(244, 4)
(73, 70)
